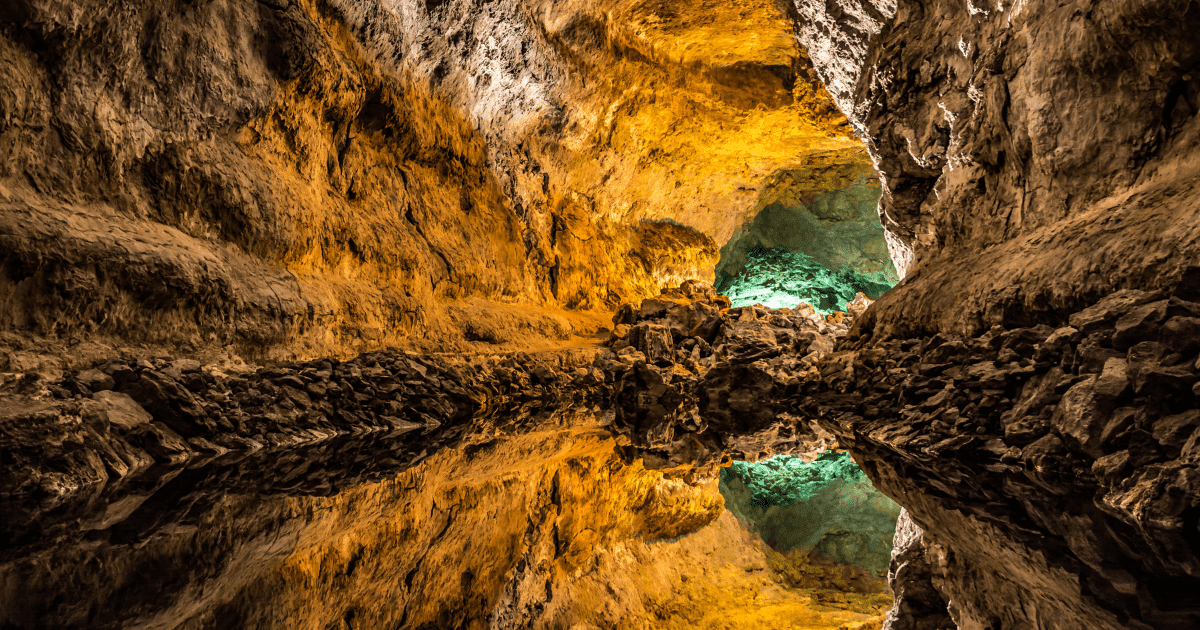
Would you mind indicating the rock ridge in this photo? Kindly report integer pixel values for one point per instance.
(1054, 466)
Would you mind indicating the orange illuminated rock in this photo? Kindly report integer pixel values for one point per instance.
(330, 178)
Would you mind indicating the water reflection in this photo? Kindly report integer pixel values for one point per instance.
(187, 545)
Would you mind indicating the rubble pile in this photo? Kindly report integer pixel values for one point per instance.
(1083, 440)
(697, 381)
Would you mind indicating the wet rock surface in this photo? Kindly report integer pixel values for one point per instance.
(1053, 465)
(1035, 157)
(136, 454)
(528, 520)
(1056, 465)
(348, 528)
(684, 374)
(316, 178)
(126, 415)
(697, 382)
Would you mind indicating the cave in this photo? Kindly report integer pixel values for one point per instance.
(809, 244)
(355, 314)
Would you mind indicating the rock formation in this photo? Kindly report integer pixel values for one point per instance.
(918, 604)
(301, 179)
(1061, 457)
(337, 191)
(1035, 157)
(126, 415)
(1038, 167)
(804, 212)
(826, 507)
(136, 462)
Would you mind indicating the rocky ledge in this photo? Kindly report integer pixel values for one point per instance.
(684, 373)
(1056, 466)
(124, 416)
(701, 382)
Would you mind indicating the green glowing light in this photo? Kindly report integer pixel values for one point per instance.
(828, 506)
(780, 278)
(787, 479)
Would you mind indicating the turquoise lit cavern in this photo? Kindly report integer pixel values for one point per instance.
(828, 506)
(810, 241)
(780, 278)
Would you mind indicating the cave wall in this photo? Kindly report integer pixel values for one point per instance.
(1034, 156)
(828, 213)
(297, 178)
(791, 505)
(1039, 176)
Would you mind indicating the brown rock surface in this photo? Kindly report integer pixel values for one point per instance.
(540, 526)
(1039, 481)
(305, 179)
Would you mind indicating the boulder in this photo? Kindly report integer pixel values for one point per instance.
(95, 380)
(1140, 324)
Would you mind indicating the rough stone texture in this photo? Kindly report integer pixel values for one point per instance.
(327, 177)
(1035, 156)
(680, 403)
(782, 278)
(531, 522)
(699, 382)
(1043, 477)
(307, 178)
(60, 436)
(915, 565)
(838, 229)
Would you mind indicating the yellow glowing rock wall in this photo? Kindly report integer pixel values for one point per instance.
(326, 177)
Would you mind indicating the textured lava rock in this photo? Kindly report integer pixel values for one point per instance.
(918, 604)
(698, 381)
(683, 404)
(1036, 157)
(156, 417)
(1042, 474)
(305, 178)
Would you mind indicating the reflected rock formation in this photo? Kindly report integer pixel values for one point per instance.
(827, 506)
(367, 313)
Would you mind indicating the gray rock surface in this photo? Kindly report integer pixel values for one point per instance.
(1038, 163)
(1034, 156)
(1047, 478)
(915, 565)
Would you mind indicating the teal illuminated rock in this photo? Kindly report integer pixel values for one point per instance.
(828, 506)
(787, 479)
(809, 243)
(781, 278)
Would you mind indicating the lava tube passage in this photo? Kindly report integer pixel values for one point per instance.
(807, 244)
